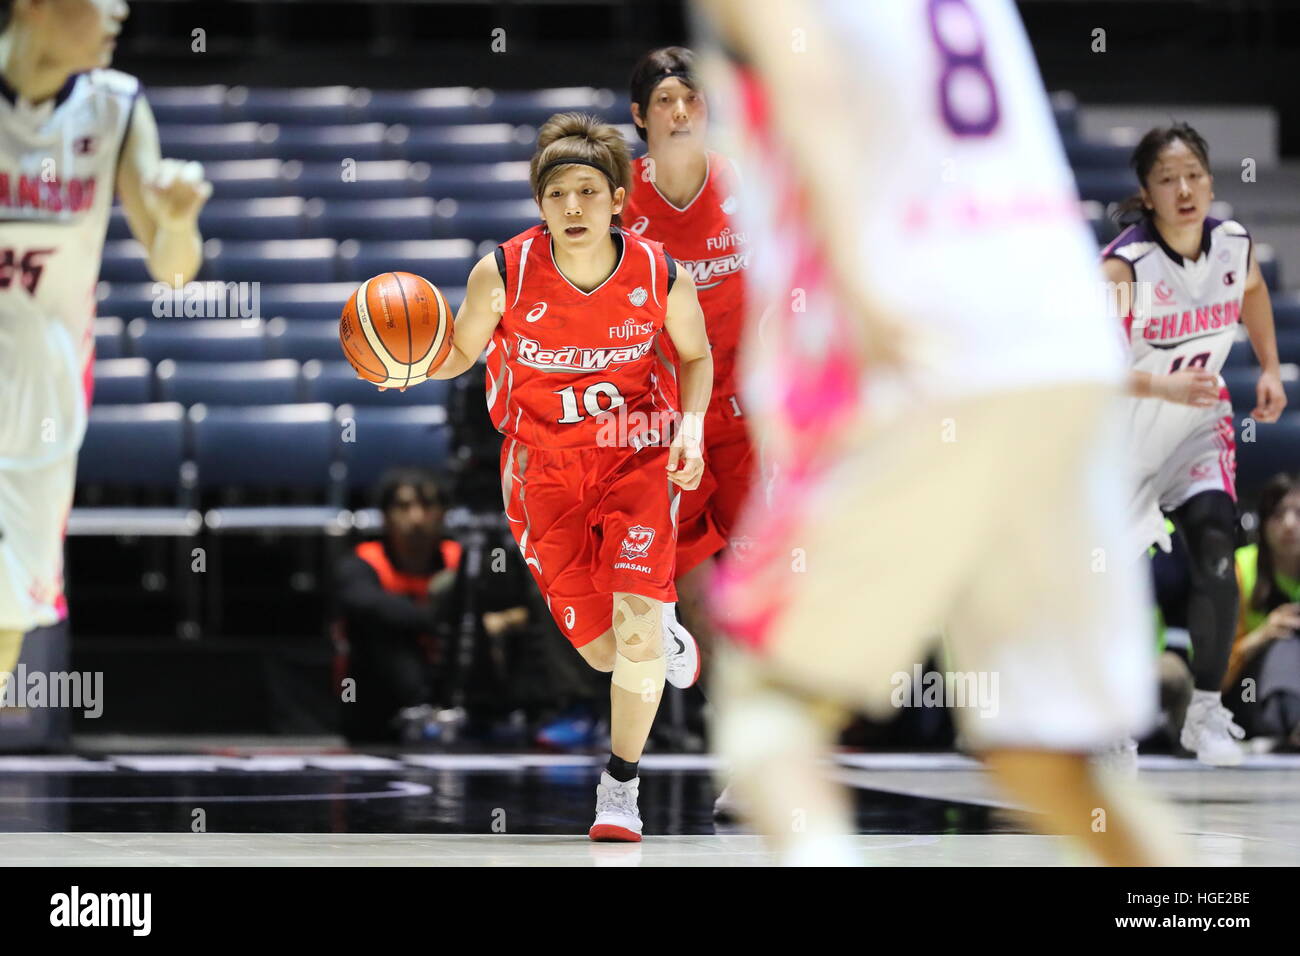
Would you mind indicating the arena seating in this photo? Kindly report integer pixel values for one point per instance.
(316, 189)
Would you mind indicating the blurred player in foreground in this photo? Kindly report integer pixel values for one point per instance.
(933, 387)
(571, 312)
(73, 133)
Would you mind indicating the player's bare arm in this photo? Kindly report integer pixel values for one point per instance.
(485, 299)
(162, 199)
(1193, 386)
(1257, 315)
(684, 324)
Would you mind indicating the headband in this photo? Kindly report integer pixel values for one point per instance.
(680, 74)
(541, 173)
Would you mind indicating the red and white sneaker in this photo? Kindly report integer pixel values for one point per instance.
(617, 816)
(681, 650)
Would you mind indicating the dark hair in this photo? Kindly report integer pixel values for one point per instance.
(424, 482)
(585, 138)
(1144, 158)
(1267, 595)
(6, 14)
(651, 69)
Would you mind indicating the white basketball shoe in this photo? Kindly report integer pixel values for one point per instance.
(681, 650)
(617, 816)
(1210, 733)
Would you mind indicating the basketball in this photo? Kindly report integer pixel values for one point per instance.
(396, 329)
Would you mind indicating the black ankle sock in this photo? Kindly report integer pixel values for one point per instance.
(620, 769)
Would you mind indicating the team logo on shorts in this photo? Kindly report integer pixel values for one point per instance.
(637, 541)
(637, 296)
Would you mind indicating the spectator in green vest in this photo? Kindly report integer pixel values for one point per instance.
(1262, 686)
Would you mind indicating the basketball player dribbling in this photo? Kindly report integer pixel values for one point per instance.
(72, 134)
(571, 313)
(1200, 281)
(934, 385)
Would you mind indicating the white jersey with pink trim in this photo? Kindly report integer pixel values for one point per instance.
(1185, 314)
(58, 166)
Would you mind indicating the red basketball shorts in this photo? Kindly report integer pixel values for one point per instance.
(709, 513)
(590, 522)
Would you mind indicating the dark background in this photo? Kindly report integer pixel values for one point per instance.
(1174, 51)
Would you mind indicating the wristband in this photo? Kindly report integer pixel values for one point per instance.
(692, 434)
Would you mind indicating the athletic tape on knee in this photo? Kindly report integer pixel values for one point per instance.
(633, 627)
(643, 678)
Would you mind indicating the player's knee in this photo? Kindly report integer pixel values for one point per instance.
(638, 624)
(1209, 522)
(601, 653)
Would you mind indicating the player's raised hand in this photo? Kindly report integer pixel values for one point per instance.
(1193, 386)
(176, 192)
(1271, 398)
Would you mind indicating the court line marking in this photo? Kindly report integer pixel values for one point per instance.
(396, 788)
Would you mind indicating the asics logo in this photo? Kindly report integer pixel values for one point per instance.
(536, 312)
(569, 618)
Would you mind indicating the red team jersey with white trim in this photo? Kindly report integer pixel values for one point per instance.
(703, 240)
(562, 360)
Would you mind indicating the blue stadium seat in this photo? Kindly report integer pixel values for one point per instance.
(337, 383)
(442, 262)
(1090, 154)
(1065, 110)
(1288, 345)
(124, 261)
(1275, 448)
(188, 104)
(1241, 355)
(279, 218)
(277, 260)
(127, 299)
(110, 341)
(221, 142)
(438, 106)
(535, 107)
(385, 179)
(1105, 185)
(133, 445)
(1286, 310)
(249, 178)
(200, 340)
(478, 143)
(481, 221)
(123, 381)
(356, 141)
(303, 105)
(387, 437)
(480, 181)
(304, 339)
(264, 446)
(271, 382)
(1241, 382)
(374, 218)
(1269, 267)
(309, 300)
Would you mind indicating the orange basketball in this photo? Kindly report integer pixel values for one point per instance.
(396, 329)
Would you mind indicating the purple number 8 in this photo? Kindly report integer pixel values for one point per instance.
(970, 63)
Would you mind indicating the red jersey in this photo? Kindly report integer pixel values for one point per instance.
(574, 369)
(701, 238)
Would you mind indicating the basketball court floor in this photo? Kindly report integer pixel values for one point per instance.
(254, 806)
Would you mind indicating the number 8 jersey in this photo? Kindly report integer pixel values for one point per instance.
(561, 358)
(58, 166)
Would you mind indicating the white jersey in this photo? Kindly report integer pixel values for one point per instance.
(58, 166)
(1185, 313)
(971, 230)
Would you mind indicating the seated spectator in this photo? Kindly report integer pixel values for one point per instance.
(1262, 686)
(392, 592)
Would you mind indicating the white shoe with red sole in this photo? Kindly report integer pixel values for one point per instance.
(617, 816)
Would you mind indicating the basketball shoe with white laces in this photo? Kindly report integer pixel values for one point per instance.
(681, 650)
(1209, 731)
(617, 816)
